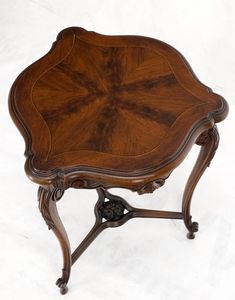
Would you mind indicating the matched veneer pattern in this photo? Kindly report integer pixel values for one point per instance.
(99, 112)
(109, 97)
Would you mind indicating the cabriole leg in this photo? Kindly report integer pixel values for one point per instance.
(47, 205)
(208, 141)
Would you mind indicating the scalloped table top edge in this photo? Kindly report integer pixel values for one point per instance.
(114, 170)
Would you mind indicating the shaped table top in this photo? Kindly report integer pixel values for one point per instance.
(117, 110)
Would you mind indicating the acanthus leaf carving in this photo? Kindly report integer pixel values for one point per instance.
(44, 197)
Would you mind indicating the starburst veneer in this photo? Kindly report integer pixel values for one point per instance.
(111, 111)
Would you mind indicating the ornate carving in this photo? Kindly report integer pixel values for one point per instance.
(114, 103)
(44, 196)
(208, 136)
(47, 205)
(31, 117)
(62, 284)
(208, 141)
(192, 228)
(112, 210)
(203, 138)
(59, 180)
(150, 187)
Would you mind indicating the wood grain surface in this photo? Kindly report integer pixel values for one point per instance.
(112, 111)
(115, 110)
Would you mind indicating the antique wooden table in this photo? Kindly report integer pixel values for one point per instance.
(102, 111)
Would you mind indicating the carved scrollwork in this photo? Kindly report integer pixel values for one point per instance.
(192, 227)
(47, 197)
(62, 284)
(112, 210)
(59, 180)
(150, 187)
(44, 196)
(203, 138)
(207, 137)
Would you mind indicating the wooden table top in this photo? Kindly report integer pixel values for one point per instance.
(110, 110)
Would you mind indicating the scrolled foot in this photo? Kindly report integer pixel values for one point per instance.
(47, 205)
(62, 285)
(208, 141)
(193, 228)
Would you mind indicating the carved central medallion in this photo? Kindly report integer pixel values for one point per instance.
(112, 210)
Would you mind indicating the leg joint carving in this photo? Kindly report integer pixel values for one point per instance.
(44, 197)
(209, 138)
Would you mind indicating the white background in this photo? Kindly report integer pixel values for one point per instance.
(144, 259)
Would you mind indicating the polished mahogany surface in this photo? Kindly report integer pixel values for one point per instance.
(112, 111)
(113, 108)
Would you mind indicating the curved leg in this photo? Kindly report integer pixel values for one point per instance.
(47, 205)
(208, 141)
(98, 227)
